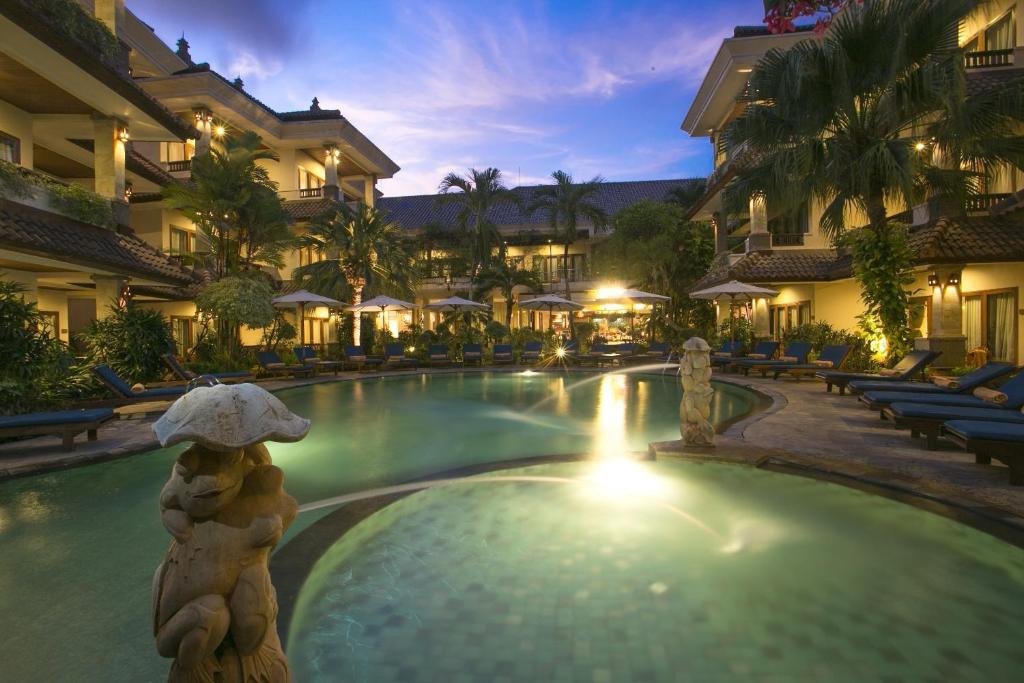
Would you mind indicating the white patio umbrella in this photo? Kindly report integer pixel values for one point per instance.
(382, 304)
(300, 299)
(550, 303)
(733, 290)
(633, 296)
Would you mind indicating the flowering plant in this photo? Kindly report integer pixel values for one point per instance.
(780, 15)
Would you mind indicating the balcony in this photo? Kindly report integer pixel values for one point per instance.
(984, 202)
(183, 166)
(310, 192)
(788, 239)
(988, 59)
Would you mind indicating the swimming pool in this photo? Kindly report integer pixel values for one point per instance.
(79, 546)
(669, 571)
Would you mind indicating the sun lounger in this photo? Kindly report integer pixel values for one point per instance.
(186, 375)
(531, 352)
(726, 353)
(357, 359)
(502, 354)
(307, 356)
(65, 423)
(113, 381)
(1012, 389)
(272, 363)
(598, 354)
(795, 353)
(438, 355)
(472, 353)
(833, 356)
(879, 394)
(991, 440)
(656, 352)
(394, 356)
(763, 350)
(926, 419)
(911, 364)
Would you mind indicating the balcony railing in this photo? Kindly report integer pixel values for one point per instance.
(309, 192)
(984, 202)
(179, 166)
(988, 58)
(788, 239)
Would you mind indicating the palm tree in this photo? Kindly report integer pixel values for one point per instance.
(478, 192)
(233, 201)
(874, 115)
(565, 202)
(505, 278)
(361, 252)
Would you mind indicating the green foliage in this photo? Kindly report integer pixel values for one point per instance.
(495, 331)
(71, 200)
(130, 340)
(280, 334)
(75, 22)
(738, 329)
(475, 194)
(239, 300)
(505, 278)
(821, 334)
(881, 262)
(585, 332)
(14, 181)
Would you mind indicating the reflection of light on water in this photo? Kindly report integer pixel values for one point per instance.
(562, 400)
(619, 477)
(749, 535)
(610, 424)
(528, 373)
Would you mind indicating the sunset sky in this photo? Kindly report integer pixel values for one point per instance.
(591, 87)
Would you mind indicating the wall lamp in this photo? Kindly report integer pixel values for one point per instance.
(933, 280)
(122, 134)
(128, 189)
(203, 115)
(953, 280)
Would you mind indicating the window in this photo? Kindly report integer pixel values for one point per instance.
(553, 268)
(1000, 35)
(308, 181)
(181, 242)
(308, 255)
(10, 148)
(176, 151)
(50, 323)
(787, 316)
(183, 333)
(990, 321)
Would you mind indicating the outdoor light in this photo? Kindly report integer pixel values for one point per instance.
(122, 135)
(744, 70)
(411, 349)
(933, 280)
(219, 131)
(919, 147)
(560, 352)
(953, 280)
(203, 115)
(128, 189)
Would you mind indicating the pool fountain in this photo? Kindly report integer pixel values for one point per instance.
(695, 408)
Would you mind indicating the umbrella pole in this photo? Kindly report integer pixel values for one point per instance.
(302, 325)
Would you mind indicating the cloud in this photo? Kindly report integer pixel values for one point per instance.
(246, 64)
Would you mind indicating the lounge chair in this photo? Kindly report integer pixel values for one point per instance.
(65, 423)
(926, 419)
(624, 352)
(879, 394)
(531, 352)
(657, 352)
(763, 350)
(911, 364)
(833, 356)
(726, 353)
(472, 353)
(502, 354)
(598, 354)
(438, 355)
(795, 353)
(113, 381)
(186, 375)
(357, 359)
(272, 364)
(307, 356)
(394, 356)
(988, 440)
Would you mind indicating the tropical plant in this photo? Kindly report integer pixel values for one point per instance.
(874, 114)
(361, 252)
(234, 301)
(233, 202)
(822, 334)
(132, 340)
(504, 278)
(495, 331)
(686, 194)
(32, 356)
(780, 15)
(475, 194)
(565, 203)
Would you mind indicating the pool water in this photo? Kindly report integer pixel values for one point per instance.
(667, 571)
(78, 547)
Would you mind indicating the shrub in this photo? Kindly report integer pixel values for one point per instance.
(821, 334)
(495, 331)
(740, 329)
(132, 341)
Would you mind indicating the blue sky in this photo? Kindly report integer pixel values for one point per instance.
(591, 87)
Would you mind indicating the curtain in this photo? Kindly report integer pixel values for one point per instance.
(972, 321)
(1001, 318)
(1000, 35)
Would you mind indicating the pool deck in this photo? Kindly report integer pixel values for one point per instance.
(806, 430)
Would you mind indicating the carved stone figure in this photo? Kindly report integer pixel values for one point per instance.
(695, 409)
(214, 607)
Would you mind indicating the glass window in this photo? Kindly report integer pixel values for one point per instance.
(10, 148)
(182, 331)
(180, 242)
(50, 323)
(990, 321)
(1000, 35)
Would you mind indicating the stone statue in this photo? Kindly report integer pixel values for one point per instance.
(695, 408)
(214, 607)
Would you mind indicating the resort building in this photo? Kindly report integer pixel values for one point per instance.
(968, 261)
(531, 243)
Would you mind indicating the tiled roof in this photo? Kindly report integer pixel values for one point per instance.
(986, 80)
(964, 239)
(35, 231)
(141, 165)
(415, 211)
(304, 209)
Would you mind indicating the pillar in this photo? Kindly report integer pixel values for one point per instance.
(945, 323)
(111, 13)
(110, 139)
(204, 124)
(108, 293)
(1018, 50)
(762, 330)
(331, 156)
(369, 184)
(721, 228)
(759, 238)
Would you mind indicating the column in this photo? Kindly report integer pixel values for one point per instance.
(721, 228)
(111, 13)
(1018, 50)
(945, 323)
(204, 124)
(369, 184)
(331, 156)
(759, 239)
(110, 138)
(108, 293)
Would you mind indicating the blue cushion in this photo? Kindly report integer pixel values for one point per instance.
(889, 397)
(989, 431)
(159, 391)
(767, 348)
(939, 412)
(532, 347)
(968, 382)
(113, 380)
(866, 385)
(267, 357)
(57, 417)
(835, 354)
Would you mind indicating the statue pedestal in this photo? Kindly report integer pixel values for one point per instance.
(695, 409)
